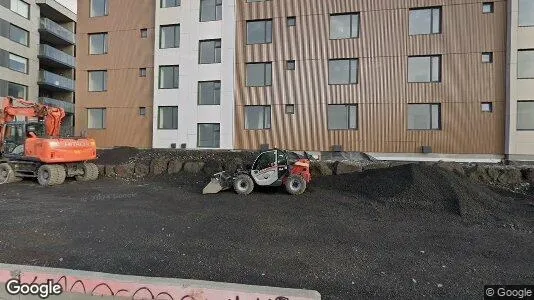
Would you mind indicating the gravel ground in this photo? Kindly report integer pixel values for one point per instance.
(344, 237)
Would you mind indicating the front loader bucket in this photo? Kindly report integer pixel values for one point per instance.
(213, 187)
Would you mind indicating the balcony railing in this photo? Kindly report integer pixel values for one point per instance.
(67, 106)
(57, 30)
(56, 81)
(56, 55)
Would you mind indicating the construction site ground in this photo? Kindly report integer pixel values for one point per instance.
(410, 231)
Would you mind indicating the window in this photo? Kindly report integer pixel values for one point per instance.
(144, 33)
(344, 26)
(168, 117)
(487, 57)
(210, 52)
(99, 8)
(425, 21)
(290, 109)
(98, 81)
(487, 106)
(424, 116)
(525, 115)
(526, 13)
(342, 116)
(210, 10)
(142, 111)
(170, 3)
(18, 35)
(291, 21)
(209, 135)
(209, 93)
(18, 63)
(291, 65)
(487, 7)
(259, 32)
(142, 72)
(17, 90)
(259, 74)
(525, 63)
(96, 118)
(98, 43)
(257, 117)
(21, 8)
(424, 68)
(169, 77)
(343, 71)
(249, 1)
(169, 36)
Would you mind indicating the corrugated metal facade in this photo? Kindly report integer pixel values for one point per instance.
(383, 91)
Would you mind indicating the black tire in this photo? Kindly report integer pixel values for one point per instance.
(243, 184)
(6, 174)
(295, 185)
(49, 175)
(90, 172)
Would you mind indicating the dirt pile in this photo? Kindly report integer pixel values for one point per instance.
(436, 189)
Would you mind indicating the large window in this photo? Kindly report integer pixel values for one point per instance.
(18, 35)
(169, 36)
(20, 7)
(18, 63)
(259, 32)
(17, 90)
(209, 135)
(209, 93)
(344, 26)
(342, 116)
(210, 10)
(343, 71)
(170, 3)
(168, 117)
(526, 13)
(425, 20)
(169, 77)
(96, 118)
(98, 43)
(525, 63)
(424, 116)
(525, 115)
(257, 117)
(99, 8)
(424, 68)
(210, 52)
(98, 81)
(259, 74)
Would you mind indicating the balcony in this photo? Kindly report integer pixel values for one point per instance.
(67, 106)
(55, 82)
(54, 33)
(50, 56)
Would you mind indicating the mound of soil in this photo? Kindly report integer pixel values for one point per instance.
(432, 188)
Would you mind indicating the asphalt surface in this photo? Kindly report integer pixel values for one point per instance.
(344, 244)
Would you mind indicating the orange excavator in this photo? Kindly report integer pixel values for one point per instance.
(35, 148)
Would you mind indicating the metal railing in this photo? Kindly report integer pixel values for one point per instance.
(56, 80)
(57, 55)
(67, 106)
(57, 30)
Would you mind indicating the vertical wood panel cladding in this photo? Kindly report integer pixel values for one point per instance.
(383, 91)
(127, 52)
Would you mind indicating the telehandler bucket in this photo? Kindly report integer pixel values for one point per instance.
(220, 181)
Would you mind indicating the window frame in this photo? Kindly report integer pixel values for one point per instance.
(440, 76)
(519, 17)
(104, 117)
(22, 29)
(517, 111)
(18, 56)
(291, 21)
(215, 9)
(217, 44)
(266, 125)
(104, 81)
(264, 74)
(290, 111)
(347, 107)
(28, 6)
(430, 105)
(265, 34)
(351, 14)
(350, 60)
(490, 56)
(431, 8)
(176, 27)
(178, 3)
(199, 88)
(106, 9)
(105, 44)
(198, 135)
(142, 72)
(491, 108)
(491, 6)
(173, 76)
(143, 32)
(174, 114)
(24, 87)
(524, 50)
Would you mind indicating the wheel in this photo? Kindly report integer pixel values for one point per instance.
(295, 185)
(48, 175)
(6, 174)
(90, 172)
(243, 184)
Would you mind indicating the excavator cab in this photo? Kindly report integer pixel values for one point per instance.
(15, 135)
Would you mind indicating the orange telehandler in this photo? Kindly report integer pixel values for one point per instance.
(30, 149)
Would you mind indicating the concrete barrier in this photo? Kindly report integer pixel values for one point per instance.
(87, 285)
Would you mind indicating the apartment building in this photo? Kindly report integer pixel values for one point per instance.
(428, 79)
(37, 53)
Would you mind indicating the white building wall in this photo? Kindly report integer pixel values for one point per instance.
(191, 72)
